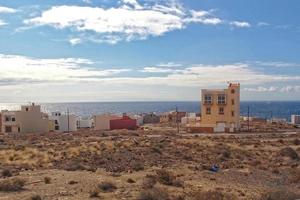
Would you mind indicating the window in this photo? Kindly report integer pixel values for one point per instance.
(232, 101)
(7, 119)
(221, 99)
(19, 129)
(55, 122)
(208, 111)
(207, 99)
(13, 119)
(221, 111)
(56, 128)
(232, 91)
(26, 109)
(8, 129)
(232, 113)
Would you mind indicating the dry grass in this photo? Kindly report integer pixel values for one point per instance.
(11, 185)
(167, 178)
(280, 194)
(153, 194)
(210, 195)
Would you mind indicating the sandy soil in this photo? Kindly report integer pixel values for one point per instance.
(171, 166)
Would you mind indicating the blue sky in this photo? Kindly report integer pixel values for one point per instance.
(130, 50)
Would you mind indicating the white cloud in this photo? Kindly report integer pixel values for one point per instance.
(87, 1)
(263, 24)
(169, 64)
(19, 69)
(7, 10)
(75, 41)
(133, 3)
(240, 24)
(16, 70)
(205, 76)
(158, 70)
(282, 89)
(2, 23)
(277, 64)
(129, 21)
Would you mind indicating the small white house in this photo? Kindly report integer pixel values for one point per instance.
(295, 119)
(84, 123)
(64, 123)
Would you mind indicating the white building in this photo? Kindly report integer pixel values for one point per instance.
(84, 123)
(64, 123)
(295, 119)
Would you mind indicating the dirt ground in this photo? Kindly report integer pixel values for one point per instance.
(149, 165)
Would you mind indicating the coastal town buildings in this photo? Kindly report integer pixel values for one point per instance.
(190, 118)
(64, 122)
(295, 119)
(172, 117)
(139, 119)
(151, 118)
(29, 119)
(220, 110)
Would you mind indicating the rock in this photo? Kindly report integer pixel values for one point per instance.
(289, 152)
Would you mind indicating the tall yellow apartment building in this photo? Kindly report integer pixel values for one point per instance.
(220, 110)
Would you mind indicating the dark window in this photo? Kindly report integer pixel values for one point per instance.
(55, 122)
(7, 119)
(232, 101)
(8, 129)
(232, 91)
(19, 130)
(13, 119)
(26, 109)
(56, 128)
(208, 99)
(221, 99)
(221, 111)
(208, 111)
(232, 113)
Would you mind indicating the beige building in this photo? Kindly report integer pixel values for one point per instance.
(102, 122)
(29, 119)
(220, 110)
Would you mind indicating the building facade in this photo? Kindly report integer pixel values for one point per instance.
(123, 123)
(220, 109)
(64, 123)
(29, 119)
(295, 119)
(102, 122)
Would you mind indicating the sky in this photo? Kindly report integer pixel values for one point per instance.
(148, 50)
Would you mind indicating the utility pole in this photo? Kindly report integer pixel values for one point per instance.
(68, 120)
(177, 120)
(248, 119)
(271, 116)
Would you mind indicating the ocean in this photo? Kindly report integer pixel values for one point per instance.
(264, 109)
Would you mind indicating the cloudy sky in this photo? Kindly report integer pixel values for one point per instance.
(137, 50)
